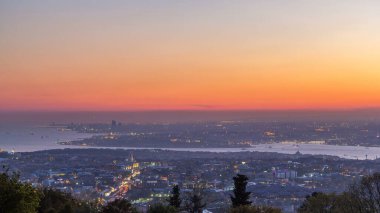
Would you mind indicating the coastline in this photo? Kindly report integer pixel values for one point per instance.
(51, 138)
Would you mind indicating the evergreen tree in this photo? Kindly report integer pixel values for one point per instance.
(175, 200)
(241, 196)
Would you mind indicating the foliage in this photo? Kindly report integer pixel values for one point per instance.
(318, 202)
(160, 208)
(56, 201)
(15, 196)
(194, 202)
(174, 199)
(366, 194)
(362, 197)
(119, 206)
(254, 209)
(241, 196)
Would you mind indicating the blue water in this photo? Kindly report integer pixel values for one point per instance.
(25, 132)
(36, 138)
(26, 138)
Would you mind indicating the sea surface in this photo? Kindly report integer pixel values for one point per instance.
(36, 138)
(28, 138)
(27, 132)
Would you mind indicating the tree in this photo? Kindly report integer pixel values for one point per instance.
(254, 209)
(241, 196)
(174, 199)
(67, 208)
(364, 196)
(194, 203)
(15, 196)
(345, 203)
(56, 201)
(160, 208)
(318, 202)
(119, 206)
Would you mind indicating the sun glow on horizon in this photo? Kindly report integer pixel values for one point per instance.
(189, 55)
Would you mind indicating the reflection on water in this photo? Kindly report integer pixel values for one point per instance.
(35, 138)
(348, 152)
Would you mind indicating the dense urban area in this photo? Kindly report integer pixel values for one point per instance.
(147, 176)
(228, 134)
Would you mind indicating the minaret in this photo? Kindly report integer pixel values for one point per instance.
(131, 157)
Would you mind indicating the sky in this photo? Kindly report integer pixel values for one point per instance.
(189, 55)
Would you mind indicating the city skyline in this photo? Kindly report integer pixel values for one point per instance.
(188, 55)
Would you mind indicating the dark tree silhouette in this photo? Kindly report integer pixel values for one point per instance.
(254, 209)
(241, 196)
(119, 206)
(174, 199)
(52, 200)
(57, 201)
(194, 203)
(159, 208)
(16, 196)
(318, 202)
(364, 196)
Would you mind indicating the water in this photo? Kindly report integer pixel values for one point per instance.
(36, 138)
(347, 152)
(26, 132)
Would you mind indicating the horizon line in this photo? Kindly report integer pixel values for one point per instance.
(191, 110)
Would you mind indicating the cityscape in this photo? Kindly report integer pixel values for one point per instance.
(228, 134)
(167, 106)
(145, 176)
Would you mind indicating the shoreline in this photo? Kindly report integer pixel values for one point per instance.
(346, 152)
(54, 141)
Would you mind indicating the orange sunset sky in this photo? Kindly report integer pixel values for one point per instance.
(149, 55)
